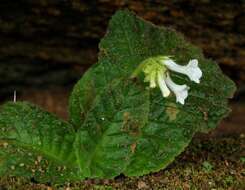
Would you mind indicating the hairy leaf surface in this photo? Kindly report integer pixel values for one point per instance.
(169, 126)
(35, 143)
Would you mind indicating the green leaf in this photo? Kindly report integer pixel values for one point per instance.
(168, 126)
(108, 137)
(35, 143)
(128, 42)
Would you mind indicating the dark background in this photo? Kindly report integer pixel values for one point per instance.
(45, 46)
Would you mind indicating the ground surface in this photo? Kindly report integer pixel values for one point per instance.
(208, 163)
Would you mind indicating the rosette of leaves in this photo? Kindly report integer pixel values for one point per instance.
(117, 125)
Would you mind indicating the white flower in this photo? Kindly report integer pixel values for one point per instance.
(180, 91)
(156, 70)
(162, 84)
(191, 69)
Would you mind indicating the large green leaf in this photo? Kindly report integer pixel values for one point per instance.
(169, 126)
(35, 143)
(128, 42)
(112, 128)
(117, 124)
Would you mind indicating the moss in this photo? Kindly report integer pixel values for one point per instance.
(206, 164)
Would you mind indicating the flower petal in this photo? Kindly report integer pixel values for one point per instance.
(191, 69)
(180, 91)
(153, 79)
(163, 87)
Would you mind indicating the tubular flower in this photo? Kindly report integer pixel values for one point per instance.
(191, 69)
(180, 91)
(157, 69)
